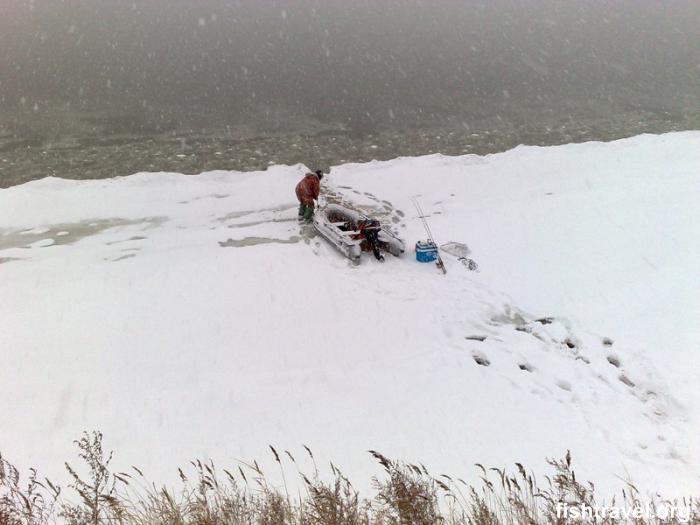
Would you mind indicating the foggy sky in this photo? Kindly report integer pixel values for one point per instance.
(349, 60)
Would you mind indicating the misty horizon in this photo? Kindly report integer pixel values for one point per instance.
(404, 62)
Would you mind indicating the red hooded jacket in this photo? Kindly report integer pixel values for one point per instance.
(308, 189)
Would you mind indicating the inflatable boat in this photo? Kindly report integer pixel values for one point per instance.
(352, 232)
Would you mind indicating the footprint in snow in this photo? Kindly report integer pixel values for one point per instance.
(614, 360)
(564, 385)
(626, 380)
(128, 256)
(545, 320)
(480, 359)
(570, 343)
(526, 367)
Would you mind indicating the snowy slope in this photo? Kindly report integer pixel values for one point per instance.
(190, 316)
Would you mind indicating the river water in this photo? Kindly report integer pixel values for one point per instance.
(100, 88)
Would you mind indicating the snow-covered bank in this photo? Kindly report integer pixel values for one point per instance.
(188, 316)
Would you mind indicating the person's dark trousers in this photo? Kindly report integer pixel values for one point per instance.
(306, 211)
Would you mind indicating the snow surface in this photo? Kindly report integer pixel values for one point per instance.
(189, 316)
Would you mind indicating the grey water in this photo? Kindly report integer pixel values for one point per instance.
(100, 88)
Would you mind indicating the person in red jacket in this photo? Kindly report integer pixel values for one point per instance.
(307, 192)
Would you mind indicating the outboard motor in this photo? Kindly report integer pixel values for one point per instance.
(370, 230)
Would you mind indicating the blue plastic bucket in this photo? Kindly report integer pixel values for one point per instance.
(426, 251)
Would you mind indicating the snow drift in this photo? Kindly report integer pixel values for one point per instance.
(190, 316)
